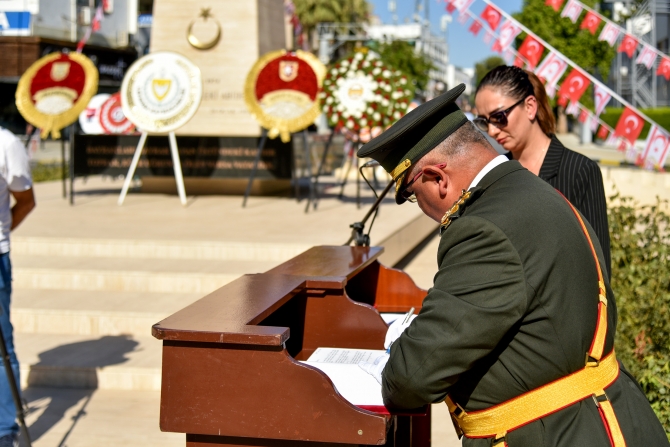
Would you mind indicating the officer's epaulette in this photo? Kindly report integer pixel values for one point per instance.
(457, 209)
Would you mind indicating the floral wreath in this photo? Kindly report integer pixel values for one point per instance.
(361, 96)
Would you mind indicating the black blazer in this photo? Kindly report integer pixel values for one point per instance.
(581, 182)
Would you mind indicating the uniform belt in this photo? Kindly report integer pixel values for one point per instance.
(540, 402)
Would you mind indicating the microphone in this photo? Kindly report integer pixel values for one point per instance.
(371, 164)
(357, 234)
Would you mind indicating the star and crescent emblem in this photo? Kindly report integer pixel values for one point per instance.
(205, 14)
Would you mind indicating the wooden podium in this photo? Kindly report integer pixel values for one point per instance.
(231, 375)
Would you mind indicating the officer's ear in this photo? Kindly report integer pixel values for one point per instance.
(439, 175)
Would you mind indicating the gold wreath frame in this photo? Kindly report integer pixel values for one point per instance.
(280, 126)
(54, 123)
(141, 118)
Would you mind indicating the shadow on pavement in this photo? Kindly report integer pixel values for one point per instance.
(47, 382)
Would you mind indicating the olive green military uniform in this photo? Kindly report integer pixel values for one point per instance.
(514, 307)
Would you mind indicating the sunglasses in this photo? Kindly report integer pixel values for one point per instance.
(408, 195)
(498, 119)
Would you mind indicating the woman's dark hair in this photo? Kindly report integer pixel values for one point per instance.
(518, 84)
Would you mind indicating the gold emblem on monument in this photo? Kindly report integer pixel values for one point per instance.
(195, 42)
(288, 70)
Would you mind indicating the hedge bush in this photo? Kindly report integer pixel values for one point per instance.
(661, 115)
(640, 243)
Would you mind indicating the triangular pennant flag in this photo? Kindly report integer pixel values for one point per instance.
(655, 149)
(556, 4)
(492, 16)
(609, 33)
(531, 49)
(602, 132)
(475, 27)
(646, 57)
(574, 86)
(508, 31)
(628, 45)
(629, 126)
(551, 69)
(591, 22)
(602, 97)
(664, 68)
(572, 10)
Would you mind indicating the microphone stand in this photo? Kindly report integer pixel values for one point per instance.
(363, 240)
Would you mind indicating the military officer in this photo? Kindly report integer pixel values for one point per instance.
(517, 333)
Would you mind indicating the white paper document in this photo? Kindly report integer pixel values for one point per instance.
(341, 367)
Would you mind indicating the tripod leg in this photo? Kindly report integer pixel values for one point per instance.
(318, 171)
(71, 169)
(176, 163)
(307, 165)
(358, 183)
(350, 161)
(133, 166)
(264, 137)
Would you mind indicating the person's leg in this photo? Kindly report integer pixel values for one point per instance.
(8, 425)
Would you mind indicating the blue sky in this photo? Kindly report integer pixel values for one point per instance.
(464, 48)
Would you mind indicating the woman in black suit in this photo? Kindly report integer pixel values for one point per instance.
(513, 109)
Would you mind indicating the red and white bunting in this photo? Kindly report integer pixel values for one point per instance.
(532, 50)
(556, 4)
(488, 37)
(573, 109)
(450, 7)
(583, 116)
(646, 57)
(629, 126)
(518, 62)
(655, 149)
(609, 34)
(463, 17)
(508, 31)
(475, 28)
(509, 56)
(591, 22)
(461, 5)
(664, 68)
(631, 153)
(602, 132)
(572, 10)
(602, 97)
(612, 140)
(491, 16)
(628, 45)
(551, 69)
(574, 86)
(594, 122)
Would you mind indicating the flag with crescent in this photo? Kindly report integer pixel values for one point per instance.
(609, 33)
(556, 4)
(572, 10)
(551, 69)
(461, 5)
(583, 116)
(628, 45)
(574, 85)
(475, 28)
(602, 132)
(508, 32)
(646, 57)
(532, 50)
(602, 97)
(492, 16)
(591, 22)
(664, 68)
(655, 149)
(629, 126)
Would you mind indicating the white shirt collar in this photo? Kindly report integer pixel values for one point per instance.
(500, 159)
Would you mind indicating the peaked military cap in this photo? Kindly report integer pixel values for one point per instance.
(416, 134)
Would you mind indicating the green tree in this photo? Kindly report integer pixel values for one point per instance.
(488, 64)
(402, 56)
(312, 12)
(579, 45)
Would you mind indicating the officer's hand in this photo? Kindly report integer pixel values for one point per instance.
(395, 329)
(375, 367)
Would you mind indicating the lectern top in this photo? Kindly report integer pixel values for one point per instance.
(344, 261)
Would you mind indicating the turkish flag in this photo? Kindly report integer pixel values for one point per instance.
(556, 4)
(602, 132)
(628, 45)
(475, 27)
(629, 126)
(518, 62)
(583, 116)
(450, 8)
(574, 85)
(655, 149)
(664, 68)
(562, 101)
(591, 22)
(492, 16)
(532, 50)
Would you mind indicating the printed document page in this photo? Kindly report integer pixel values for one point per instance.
(341, 366)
